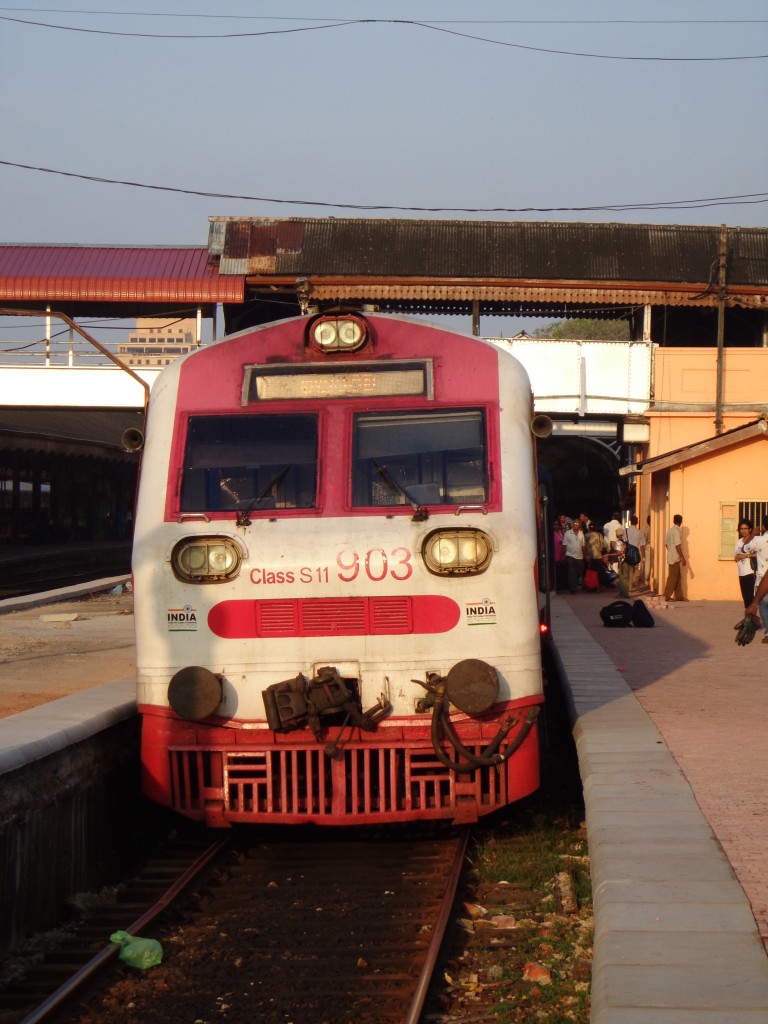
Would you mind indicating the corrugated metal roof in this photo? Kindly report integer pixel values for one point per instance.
(72, 273)
(526, 251)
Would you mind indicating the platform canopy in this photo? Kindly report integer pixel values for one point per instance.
(502, 268)
(120, 281)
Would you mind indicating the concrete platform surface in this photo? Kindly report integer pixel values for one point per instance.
(670, 726)
(69, 642)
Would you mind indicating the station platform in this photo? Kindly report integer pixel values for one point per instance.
(670, 726)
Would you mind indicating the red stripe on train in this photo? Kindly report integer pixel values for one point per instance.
(334, 616)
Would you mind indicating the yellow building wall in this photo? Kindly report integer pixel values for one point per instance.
(697, 490)
(683, 413)
(685, 391)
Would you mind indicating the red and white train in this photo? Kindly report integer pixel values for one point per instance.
(335, 577)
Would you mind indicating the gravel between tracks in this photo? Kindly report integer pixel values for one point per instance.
(239, 951)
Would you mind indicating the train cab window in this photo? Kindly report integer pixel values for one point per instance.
(436, 457)
(250, 463)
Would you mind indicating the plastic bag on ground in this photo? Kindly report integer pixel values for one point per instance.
(137, 952)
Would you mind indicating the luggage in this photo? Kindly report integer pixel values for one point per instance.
(632, 555)
(591, 581)
(641, 617)
(618, 613)
(607, 576)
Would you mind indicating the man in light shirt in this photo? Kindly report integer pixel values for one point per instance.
(611, 528)
(673, 588)
(636, 537)
(573, 542)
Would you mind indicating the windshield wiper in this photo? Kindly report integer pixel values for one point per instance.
(243, 517)
(420, 513)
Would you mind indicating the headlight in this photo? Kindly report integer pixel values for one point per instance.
(338, 333)
(461, 552)
(206, 560)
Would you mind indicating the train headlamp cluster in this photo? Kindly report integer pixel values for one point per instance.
(338, 333)
(459, 552)
(206, 560)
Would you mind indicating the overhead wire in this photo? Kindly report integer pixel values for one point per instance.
(677, 204)
(345, 23)
(435, 21)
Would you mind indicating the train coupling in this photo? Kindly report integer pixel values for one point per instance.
(326, 699)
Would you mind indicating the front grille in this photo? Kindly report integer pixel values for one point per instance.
(326, 616)
(364, 783)
(275, 618)
(391, 615)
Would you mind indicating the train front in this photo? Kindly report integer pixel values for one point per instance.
(334, 568)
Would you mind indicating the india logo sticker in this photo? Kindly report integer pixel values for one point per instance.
(182, 620)
(480, 613)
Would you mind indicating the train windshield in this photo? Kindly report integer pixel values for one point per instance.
(250, 463)
(436, 457)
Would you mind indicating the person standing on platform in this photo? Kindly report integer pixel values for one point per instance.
(623, 568)
(610, 528)
(758, 547)
(613, 532)
(673, 588)
(636, 536)
(595, 547)
(743, 561)
(573, 542)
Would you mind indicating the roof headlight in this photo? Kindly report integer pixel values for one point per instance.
(350, 333)
(326, 335)
(460, 552)
(338, 333)
(206, 560)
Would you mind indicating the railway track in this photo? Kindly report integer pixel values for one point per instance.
(324, 928)
(84, 949)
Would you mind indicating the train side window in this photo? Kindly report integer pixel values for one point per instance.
(434, 457)
(249, 463)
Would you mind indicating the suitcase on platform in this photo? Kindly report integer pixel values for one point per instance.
(591, 580)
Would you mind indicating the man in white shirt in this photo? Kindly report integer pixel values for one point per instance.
(609, 530)
(673, 588)
(573, 542)
(636, 537)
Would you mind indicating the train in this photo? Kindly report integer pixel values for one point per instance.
(335, 577)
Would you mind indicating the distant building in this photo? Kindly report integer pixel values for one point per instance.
(157, 342)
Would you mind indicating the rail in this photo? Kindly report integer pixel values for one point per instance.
(85, 974)
(335, 927)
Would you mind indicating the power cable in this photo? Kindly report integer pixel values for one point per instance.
(429, 26)
(432, 21)
(675, 204)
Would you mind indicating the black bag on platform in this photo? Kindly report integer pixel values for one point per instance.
(641, 617)
(632, 555)
(618, 613)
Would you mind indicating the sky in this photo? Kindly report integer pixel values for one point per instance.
(327, 113)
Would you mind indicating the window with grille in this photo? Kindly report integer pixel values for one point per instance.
(731, 512)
